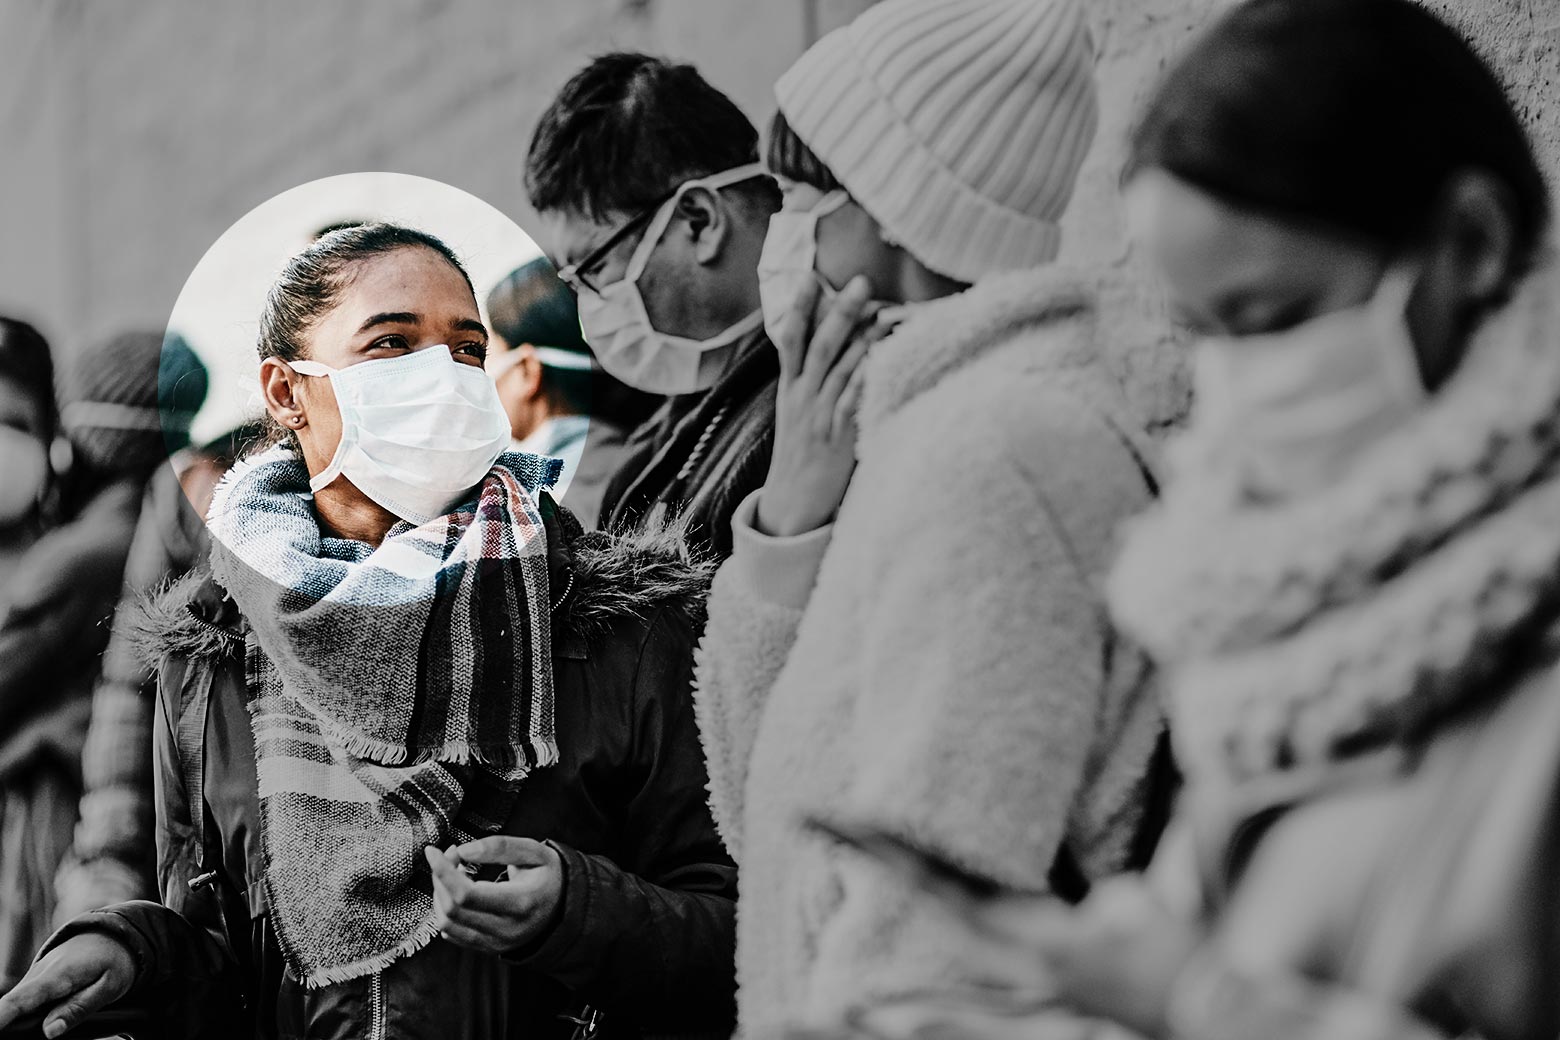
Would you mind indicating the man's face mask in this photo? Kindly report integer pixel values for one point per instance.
(617, 325)
(788, 262)
(417, 431)
(24, 474)
(1294, 409)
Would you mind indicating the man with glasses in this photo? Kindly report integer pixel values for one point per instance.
(654, 207)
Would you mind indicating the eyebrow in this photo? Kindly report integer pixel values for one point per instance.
(412, 318)
(391, 318)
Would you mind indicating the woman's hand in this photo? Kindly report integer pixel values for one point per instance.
(815, 409)
(497, 916)
(84, 974)
(1116, 956)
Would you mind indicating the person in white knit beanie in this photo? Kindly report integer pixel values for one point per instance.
(910, 630)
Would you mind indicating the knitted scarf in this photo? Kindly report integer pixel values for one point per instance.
(1356, 618)
(399, 695)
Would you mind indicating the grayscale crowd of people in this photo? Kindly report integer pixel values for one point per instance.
(775, 619)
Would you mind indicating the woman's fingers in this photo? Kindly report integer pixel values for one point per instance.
(831, 392)
(849, 403)
(790, 337)
(510, 851)
(835, 331)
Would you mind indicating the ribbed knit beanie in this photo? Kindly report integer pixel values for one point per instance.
(128, 403)
(958, 125)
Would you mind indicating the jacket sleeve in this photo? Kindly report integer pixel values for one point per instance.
(655, 934)
(755, 605)
(984, 663)
(185, 979)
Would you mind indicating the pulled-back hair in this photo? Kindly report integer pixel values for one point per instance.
(1352, 113)
(311, 282)
(627, 129)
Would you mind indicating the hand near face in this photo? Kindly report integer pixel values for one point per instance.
(497, 916)
(815, 409)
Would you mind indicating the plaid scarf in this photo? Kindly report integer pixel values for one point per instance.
(399, 695)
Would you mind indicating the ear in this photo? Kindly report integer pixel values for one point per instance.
(278, 389)
(708, 220)
(1474, 236)
(527, 372)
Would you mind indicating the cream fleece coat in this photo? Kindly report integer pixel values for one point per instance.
(940, 660)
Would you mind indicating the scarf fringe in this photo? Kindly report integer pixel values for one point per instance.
(420, 937)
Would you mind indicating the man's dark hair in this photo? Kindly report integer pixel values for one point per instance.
(627, 129)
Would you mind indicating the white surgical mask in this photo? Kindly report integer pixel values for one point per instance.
(24, 474)
(417, 431)
(618, 328)
(788, 262)
(1294, 409)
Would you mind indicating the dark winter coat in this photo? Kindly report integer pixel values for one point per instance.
(646, 933)
(701, 454)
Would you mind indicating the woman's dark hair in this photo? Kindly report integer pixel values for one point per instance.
(310, 283)
(25, 362)
(1352, 113)
(788, 156)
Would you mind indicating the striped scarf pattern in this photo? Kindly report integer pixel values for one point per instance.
(400, 694)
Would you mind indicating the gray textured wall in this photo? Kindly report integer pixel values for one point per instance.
(133, 134)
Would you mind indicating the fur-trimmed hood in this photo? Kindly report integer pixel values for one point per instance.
(608, 577)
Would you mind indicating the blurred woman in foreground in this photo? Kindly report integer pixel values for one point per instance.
(1353, 581)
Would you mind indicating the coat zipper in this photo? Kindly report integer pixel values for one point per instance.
(376, 1006)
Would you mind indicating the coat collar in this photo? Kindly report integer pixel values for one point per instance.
(942, 336)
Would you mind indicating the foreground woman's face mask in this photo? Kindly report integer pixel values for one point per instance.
(24, 474)
(617, 325)
(1296, 408)
(417, 431)
(788, 262)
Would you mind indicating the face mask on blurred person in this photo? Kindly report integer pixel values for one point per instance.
(617, 325)
(24, 474)
(417, 431)
(1295, 408)
(787, 264)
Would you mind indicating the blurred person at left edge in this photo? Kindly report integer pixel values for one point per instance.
(57, 601)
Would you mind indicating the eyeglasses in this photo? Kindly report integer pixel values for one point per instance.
(574, 275)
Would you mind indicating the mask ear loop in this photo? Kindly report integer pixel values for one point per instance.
(663, 217)
(1400, 355)
(332, 469)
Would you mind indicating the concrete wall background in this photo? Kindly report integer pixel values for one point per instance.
(132, 135)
